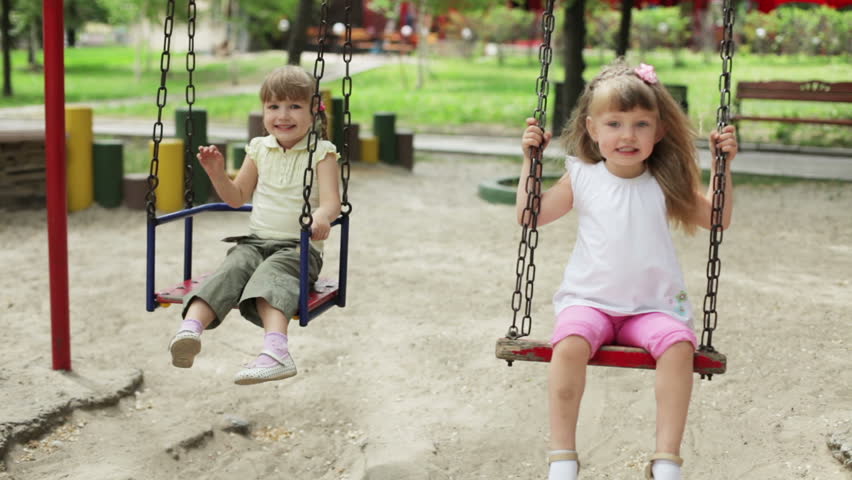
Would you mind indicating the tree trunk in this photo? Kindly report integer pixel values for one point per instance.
(6, 38)
(33, 45)
(575, 38)
(298, 33)
(624, 31)
(71, 37)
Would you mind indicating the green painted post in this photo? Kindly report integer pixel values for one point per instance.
(384, 128)
(239, 155)
(337, 122)
(108, 171)
(200, 182)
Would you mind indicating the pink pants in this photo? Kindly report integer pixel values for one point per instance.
(654, 331)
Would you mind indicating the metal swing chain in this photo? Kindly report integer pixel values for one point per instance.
(723, 114)
(157, 135)
(188, 193)
(525, 272)
(305, 219)
(345, 206)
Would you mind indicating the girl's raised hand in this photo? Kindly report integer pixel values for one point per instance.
(534, 136)
(726, 141)
(212, 160)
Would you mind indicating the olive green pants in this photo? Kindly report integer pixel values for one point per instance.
(256, 268)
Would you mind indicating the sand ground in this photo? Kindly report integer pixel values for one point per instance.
(403, 383)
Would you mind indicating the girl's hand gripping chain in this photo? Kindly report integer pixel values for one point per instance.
(534, 136)
(320, 227)
(726, 141)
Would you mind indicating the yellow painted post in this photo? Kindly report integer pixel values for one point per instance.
(170, 173)
(326, 100)
(370, 149)
(81, 190)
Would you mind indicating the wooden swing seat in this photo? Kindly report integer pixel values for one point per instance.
(324, 292)
(706, 363)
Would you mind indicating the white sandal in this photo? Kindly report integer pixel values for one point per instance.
(649, 474)
(184, 346)
(563, 455)
(285, 368)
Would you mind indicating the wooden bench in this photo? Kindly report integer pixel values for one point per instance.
(361, 38)
(810, 91)
(395, 42)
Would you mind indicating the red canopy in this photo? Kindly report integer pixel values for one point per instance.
(769, 5)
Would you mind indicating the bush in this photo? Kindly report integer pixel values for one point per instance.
(798, 30)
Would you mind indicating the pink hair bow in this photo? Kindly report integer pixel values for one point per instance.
(646, 73)
(321, 106)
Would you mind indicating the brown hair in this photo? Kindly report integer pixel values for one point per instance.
(674, 160)
(292, 82)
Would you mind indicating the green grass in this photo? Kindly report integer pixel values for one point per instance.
(108, 73)
(459, 96)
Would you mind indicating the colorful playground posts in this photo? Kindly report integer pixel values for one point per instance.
(170, 173)
(384, 127)
(108, 171)
(95, 168)
(78, 121)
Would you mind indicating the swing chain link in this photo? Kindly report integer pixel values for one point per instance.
(345, 206)
(188, 193)
(723, 115)
(525, 271)
(157, 135)
(305, 219)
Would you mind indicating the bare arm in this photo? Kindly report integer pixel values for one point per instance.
(329, 193)
(727, 142)
(558, 199)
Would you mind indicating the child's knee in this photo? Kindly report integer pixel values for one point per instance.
(676, 347)
(572, 349)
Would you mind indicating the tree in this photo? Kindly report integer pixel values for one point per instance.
(6, 38)
(624, 31)
(77, 13)
(298, 33)
(575, 38)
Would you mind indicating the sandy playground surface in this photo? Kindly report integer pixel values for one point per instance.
(403, 383)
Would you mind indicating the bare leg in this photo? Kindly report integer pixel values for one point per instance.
(273, 319)
(673, 390)
(567, 380)
(201, 311)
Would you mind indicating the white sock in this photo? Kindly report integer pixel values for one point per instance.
(665, 470)
(563, 469)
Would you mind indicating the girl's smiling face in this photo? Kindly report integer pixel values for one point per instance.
(287, 120)
(625, 139)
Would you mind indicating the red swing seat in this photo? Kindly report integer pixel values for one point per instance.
(705, 363)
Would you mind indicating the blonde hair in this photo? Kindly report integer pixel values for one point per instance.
(674, 160)
(292, 82)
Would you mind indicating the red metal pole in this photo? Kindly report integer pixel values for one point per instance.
(56, 183)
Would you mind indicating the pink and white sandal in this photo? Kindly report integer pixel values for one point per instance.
(284, 368)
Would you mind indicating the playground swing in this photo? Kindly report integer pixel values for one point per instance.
(326, 292)
(707, 361)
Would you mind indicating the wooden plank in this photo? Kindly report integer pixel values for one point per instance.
(826, 121)
(609, 356)
(813, 90)
(22, 135)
